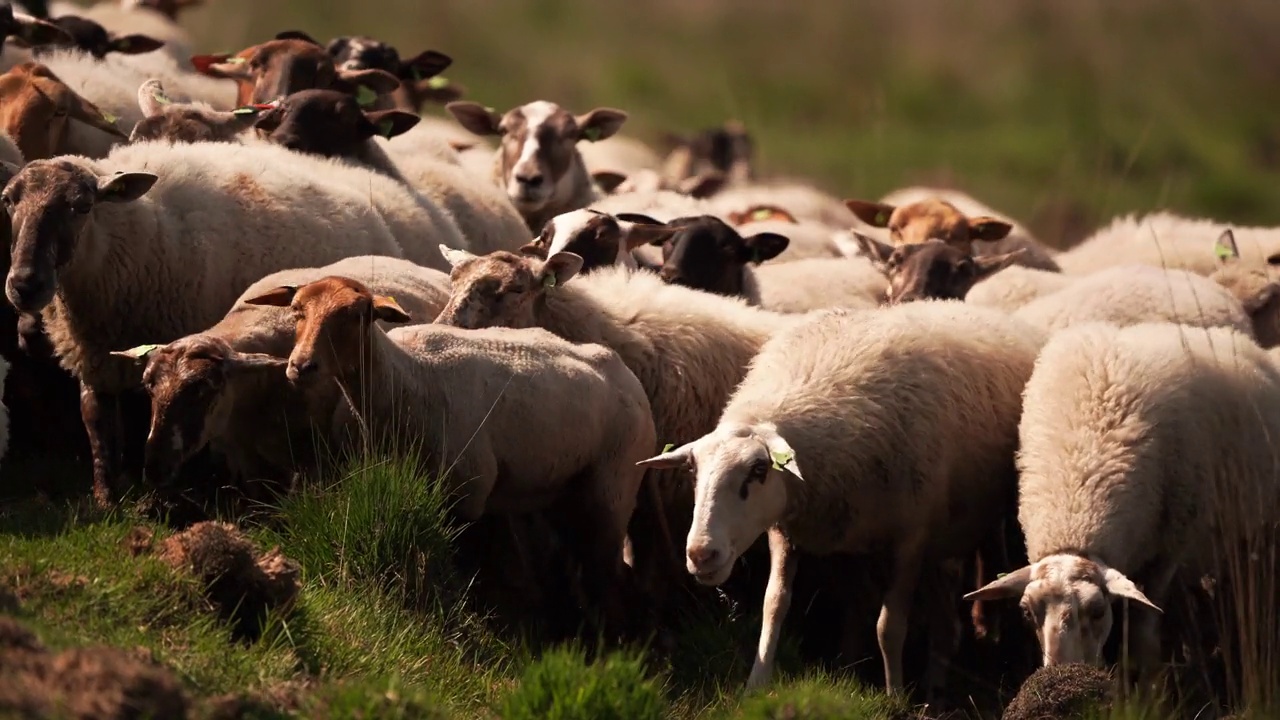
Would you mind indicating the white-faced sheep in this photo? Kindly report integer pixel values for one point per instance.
(218, 388)
(109, 269)
(689, 349)
(1145, 452)
(495, 383)
(537, 163)
(856, 431)
(598, 238)
(1132, 294)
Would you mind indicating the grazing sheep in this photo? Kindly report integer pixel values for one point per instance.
(497, 383)
(819, 283)
(808, 239)
(1132, 294)
(331, 124)
(1145, 452)
(1166, 240)
(291, 62)
(538, 164)
(705, 253)
(1016, 286)
(934, 218)
(931, 270)
(689, 349)
(165, 119)
(1254, 285)
(727, 150)
(419, 76)
(862, 431)
(599, 239)
(39, 112)
(94, 39)
(219, 388)
(108, 269)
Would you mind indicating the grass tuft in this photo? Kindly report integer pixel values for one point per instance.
(561, 685)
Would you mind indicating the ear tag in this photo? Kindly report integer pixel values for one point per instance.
(142, 350)
(549, 281)
(667, 448)
(236, 60)
(882, 217)
(123, 44)
(437, 82)
(365, 96)
(761, 214)
(109, 117)
(781, 458)
(384, 128)
(246, 110)
(1222, 251)
(161, 98)
(591, 134)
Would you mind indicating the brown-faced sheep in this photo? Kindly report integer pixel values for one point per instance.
(932, 269)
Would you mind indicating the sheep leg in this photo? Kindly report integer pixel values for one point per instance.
(777, 600)
(891, 628)
(100, 413)
(944, 629)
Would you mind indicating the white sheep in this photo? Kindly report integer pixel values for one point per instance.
(108, 268)
(1166, 240)
(496, 383)
(854, 431)
(537, 163)
(213, 388)
(1146, 451)
(1254, 285)
(1132, 294)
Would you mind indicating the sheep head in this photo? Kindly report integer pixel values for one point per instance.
(931, 219)
(502, 289)
(931, 270)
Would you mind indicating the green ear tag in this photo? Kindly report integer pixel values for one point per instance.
(1222, 251)
(161, 98)
(365, 96)
(437, 82)
(384, 128)
(109, 117)
(549, 282)
(762, 214)
(142, 350)
(781, 458)
(591, 134)
(882, 218)
(667, 448)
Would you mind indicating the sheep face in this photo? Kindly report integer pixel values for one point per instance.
(502, 289)
(931, 270)
(191, 382)
(928, 220)
(539, 146)
(36, 109)
(704, 253)
(1067, 599)
(1254, 286)
(328, 123)
(163, 119)
(50, 203)
(94, 39)
(291, 62)
(725, 150)
(335, 317)
(418, 75)
(599, 238)
(741, 492)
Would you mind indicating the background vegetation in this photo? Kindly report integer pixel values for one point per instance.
(1062, 113)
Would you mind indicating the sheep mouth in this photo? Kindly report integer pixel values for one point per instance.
(713, 576)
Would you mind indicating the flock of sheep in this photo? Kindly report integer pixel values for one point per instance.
(667, 359)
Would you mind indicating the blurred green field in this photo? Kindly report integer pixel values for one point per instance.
(1062, 113)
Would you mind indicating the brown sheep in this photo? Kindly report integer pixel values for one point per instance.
(932, 269)
(37, 108)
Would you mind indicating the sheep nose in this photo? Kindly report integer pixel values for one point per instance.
(530, 181)
(24, 289)
(298, 370)
(701, 556)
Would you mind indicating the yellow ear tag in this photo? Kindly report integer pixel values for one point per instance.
(781, 458)
(142, 350)
(762, 214)
(436, 82)
(236, 60)
(667, 448)
(109, 117)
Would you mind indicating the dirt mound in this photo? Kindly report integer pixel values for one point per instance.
(102, 683)
(241, 582)
(1061, 691)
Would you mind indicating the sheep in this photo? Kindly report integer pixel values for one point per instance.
(329, 123)
(689, 349)
(1016, 286)
(538, 164)
(1166, 240)
(802, 200)
(599, 239)
(151, 18)
(215, 220)
(1132, 294)
(856, 431)
(94, 39)
(215, 387)
(292, 61)
(819, 283)
(932, 269)
(37, 111)
(808, 239)
(705, 253)
(727, 150)
(496, 383)
(934, 218)
(420, 80)
(1253, 285)
(165, 119)
(965, 203)
(27, 31)
(1145, 452)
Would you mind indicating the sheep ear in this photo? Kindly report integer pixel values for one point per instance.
(988, 228)
(607, 180)
(386, 308)
(1225, 247)
(669, 458)
(279, 297)
(369, 84)
(781, 452)
(872, 213)
(296, 35)
(125, 186)
(600, 124)
(560, 268)
(533, 249)
(874, 250)
(984, 266)
(135, 44)
(766, 246)
(151, 98)
(761, 213)
(638, 233)
(475, 117)
(390, 123)
(249, 362)
(225, 66)
(424, 65)
(1121, 586)
(454, 256)
(137, 355)
(703, 185)
(1011, 585)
